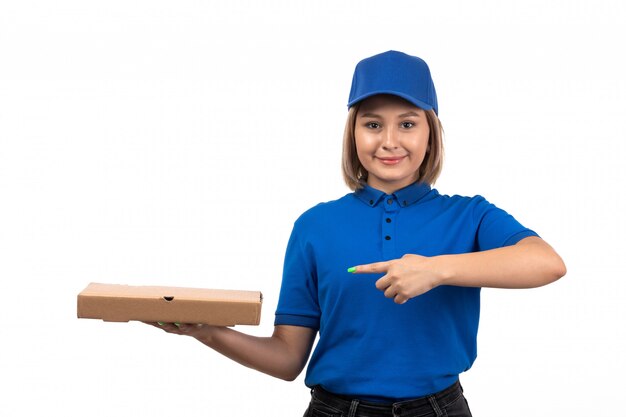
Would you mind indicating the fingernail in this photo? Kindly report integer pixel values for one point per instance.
(160, 323)
(352, 269)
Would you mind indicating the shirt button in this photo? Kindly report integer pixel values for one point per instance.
(387, 237)
(404, 203)
(371, 202)
(388, 220)
(390, 201)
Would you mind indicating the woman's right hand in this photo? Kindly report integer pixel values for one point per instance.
(201, 332)
(283, 355)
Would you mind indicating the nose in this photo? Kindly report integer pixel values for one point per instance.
(390, 138)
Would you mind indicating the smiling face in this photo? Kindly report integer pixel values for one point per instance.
(391, 137)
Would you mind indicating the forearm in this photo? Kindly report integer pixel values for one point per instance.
(283, 355)
(530, 263)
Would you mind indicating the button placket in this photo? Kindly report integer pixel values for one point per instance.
(388, 226)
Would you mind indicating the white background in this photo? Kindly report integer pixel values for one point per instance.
(175, 142)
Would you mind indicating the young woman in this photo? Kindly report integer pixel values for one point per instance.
(390, 274)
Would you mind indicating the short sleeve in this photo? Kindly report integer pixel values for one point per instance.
(298, 302)
(495, 227)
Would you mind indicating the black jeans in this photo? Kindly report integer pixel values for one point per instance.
(449, 402)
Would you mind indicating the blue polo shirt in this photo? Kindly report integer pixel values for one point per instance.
(369, 347)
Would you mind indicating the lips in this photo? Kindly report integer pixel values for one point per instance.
(391, 160)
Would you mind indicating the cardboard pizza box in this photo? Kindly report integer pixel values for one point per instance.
(121, 303)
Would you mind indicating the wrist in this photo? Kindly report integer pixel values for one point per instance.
(207, 335)
(443, 269)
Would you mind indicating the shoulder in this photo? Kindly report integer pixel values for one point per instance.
(456, 201)
(456, 207)
(326, 209)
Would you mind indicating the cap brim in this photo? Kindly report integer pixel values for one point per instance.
(406, 97)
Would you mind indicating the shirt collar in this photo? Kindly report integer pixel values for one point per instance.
(405, 196)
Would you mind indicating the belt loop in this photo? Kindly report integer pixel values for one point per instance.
(433, 402)
(353, 405)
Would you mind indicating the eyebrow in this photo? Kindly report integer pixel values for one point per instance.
(377, 116)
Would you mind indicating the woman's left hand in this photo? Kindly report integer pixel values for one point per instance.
(404, 278)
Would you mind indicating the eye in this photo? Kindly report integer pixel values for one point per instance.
(372, 125)
(407, 125)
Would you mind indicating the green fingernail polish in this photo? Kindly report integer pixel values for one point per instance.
(160, 323)
(352, 269)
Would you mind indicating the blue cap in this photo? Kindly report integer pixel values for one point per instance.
(394, 73)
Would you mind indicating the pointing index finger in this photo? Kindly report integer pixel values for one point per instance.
(374, 268)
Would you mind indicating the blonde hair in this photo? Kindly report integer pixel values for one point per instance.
(355, 175)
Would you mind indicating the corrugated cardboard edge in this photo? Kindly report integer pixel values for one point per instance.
(122, 303)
